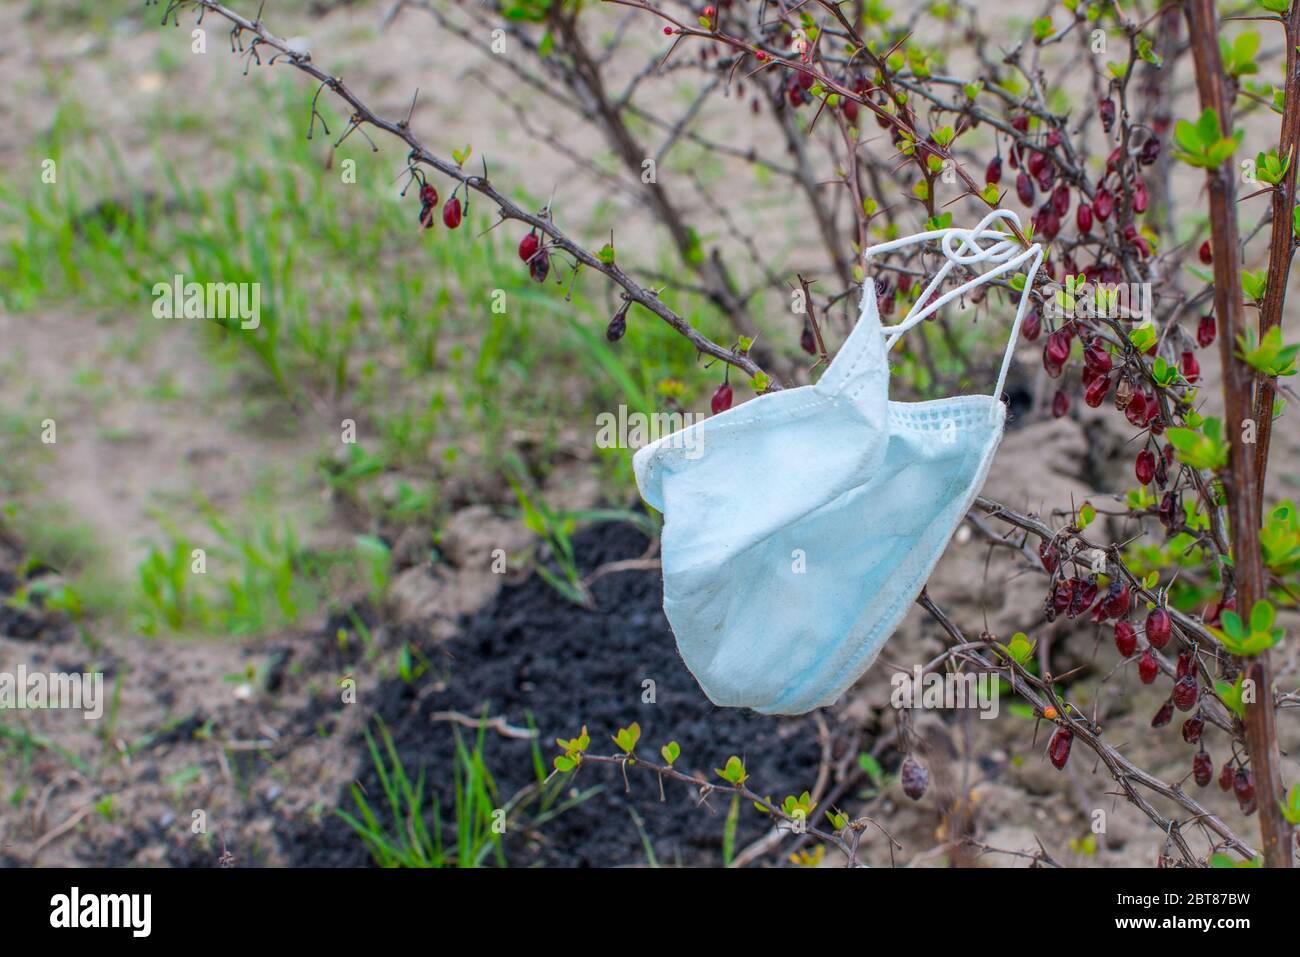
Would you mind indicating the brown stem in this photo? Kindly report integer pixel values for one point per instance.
(1282, 243)
(1240, 481)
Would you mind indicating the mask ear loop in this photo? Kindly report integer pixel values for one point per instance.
(1036, 251)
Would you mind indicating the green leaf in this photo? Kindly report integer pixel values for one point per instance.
(671, 752)
(626, 738)
(1269, 356)
(606, 254)
(734, 772)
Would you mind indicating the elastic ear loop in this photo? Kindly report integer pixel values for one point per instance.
(920, 313)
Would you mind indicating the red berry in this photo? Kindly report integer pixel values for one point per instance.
(1095, 394)
(1037, 162)
(993, 172)
(617, 326)
(428, 195)
(1202, 767)
(451, 213)
(1145, 467)
(1061, 199)
(1205, 330)
(721, 399)
(1126, 639)
(1059, 748)
(1083, 218)
(1096, 358)
(1193, 728)
(1025, 188)
(1185, 666)
(1117, 599)
(1186, 690)
(1103, 204)
(668, 31)
(1060, 404)
(1057, 350)
(914, 778)
(1106, 110)
(1206, 254)
(850, 108)
(1158, 627)
(1021, 123)
(1147, 667)
(1139, 197)
(1164, 715)
(1191, 368)
(1225, 777)
(528, 246)
(1243, 786)
(1032, 327)
(426, 215)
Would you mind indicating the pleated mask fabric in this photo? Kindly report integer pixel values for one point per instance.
(799, 527)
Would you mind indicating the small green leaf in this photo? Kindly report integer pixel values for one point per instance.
(671, 752)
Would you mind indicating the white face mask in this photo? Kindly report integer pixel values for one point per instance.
(795, 544)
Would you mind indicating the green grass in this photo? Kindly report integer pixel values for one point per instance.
(406, 828)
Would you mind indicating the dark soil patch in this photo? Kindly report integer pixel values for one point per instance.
(533, 653)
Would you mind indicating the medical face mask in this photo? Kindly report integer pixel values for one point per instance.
(796, 542)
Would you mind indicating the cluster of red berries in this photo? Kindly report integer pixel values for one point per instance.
(538, 259)
(451, 210)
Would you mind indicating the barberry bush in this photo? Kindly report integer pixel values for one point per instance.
(1149, 148)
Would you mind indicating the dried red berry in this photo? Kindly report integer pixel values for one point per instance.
(1193, 728)
(1243, 786)
(1096, 358)
(1103, 204)
(451, 213)
(1136, 410)
(1083, 218)
(1147, 667)
(1025, 188)
(617, 326)
(807, 342)
(1164, 715)
(428, 195)
(1140, 197)
(1202, 767)
(1185, 666)
(1191, 368)
(1117, 600)
(1057, 350)
(1186, 691)
(1061, 199)
(1206, 254)
(1048, 555)
(1060, 404)
(1095, 394)
(1106, 110)
(528, 246)
(1150, 152)
(1205, 330)
(993, 172)
(540, 265)
(1225, 777)
(1059, 748)
(1145, 467)
(1082, 597)
(426, 215)
(1062, 594)
(1159, 627)
(914, 777)
(1126, 639)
